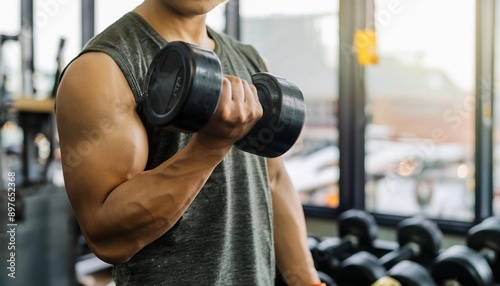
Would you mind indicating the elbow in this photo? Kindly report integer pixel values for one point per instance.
(112, 251)
(111, 255)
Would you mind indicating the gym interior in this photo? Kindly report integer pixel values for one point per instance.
(397, 165)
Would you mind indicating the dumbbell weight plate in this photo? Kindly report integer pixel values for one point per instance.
(423, 232)
(410, 273)
(282, 120)
(485, 235)
(362, 268)
(463, 265)
(183, 87)
(485, 239)
(357, 230)
(359, 224)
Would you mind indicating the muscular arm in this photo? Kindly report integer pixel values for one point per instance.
(290, 235)
(120, 207)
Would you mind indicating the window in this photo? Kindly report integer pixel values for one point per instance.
(52, 21)
(300, 41)
(420, 110)
(10, 79)
(108, 11)
(10, 51)
(496, 114)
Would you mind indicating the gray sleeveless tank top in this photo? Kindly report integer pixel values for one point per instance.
(225, 236)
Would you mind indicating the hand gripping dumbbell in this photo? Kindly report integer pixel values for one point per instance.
(478, 263)
(357, 231)
(419, 240)
(182, 92)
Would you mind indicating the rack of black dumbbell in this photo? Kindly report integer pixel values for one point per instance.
(357, 257)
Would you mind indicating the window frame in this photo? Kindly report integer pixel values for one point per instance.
(352, 118)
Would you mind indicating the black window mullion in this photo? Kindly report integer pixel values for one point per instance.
(351, 108)
(485, 16)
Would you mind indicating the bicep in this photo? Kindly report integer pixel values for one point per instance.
(103, 142)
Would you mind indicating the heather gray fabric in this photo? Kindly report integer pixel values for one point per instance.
(225, 236)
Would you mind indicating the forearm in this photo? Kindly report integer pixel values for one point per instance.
(146, 206)
(292, 252)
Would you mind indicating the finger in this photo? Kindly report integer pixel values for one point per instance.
(226, 90)
(237, 89)
(253, 93)
(248, 92)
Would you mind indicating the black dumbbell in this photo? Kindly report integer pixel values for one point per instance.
(485, 239)
(461, 265)
(357, 231)
(478, 262)
(406, 273)
(419, 240)
(182, 92)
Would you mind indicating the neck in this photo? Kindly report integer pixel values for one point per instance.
(174, 25)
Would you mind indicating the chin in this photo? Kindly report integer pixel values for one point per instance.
(193, 7)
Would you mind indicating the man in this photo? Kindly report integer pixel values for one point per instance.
(167, 208)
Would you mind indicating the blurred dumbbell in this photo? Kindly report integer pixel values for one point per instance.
(485, 239)
(357, 231)
(365, 269)
(419, 240)
(406, 273)
(461, 265)
(475, 264)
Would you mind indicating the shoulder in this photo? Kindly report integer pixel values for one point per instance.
(131, 43)
(93, 80)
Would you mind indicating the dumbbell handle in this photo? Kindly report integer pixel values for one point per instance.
(346, 245)
(406, 252)
(337, 246)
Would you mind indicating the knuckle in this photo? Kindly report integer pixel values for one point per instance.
(253, 89)
(232, 79)
(226, 82)
(260, 111)
(225, 113)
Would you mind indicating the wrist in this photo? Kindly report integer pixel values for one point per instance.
(209, 146)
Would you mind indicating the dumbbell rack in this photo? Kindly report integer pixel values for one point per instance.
(478, 264)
